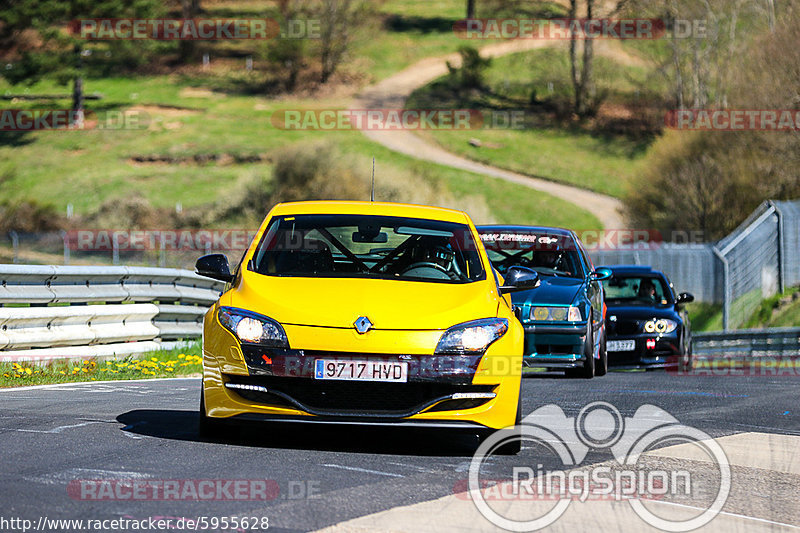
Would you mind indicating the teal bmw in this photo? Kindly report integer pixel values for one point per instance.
(564, 316)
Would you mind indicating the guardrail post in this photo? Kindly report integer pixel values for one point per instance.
(781, 272)
(65, 238)
(14, 245)
(114, 249)
(162, 251)
(726, 289)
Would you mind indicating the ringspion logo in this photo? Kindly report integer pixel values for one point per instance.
(566, 442)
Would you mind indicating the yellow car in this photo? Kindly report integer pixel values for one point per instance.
(364, 313)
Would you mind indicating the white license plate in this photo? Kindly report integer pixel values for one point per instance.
(621, 346)
(361, 370)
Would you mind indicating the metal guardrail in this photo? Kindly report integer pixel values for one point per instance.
(76, 311)
(771, 342)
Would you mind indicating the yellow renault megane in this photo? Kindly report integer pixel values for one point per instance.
(364, 313)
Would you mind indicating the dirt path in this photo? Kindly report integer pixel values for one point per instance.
(392, 93)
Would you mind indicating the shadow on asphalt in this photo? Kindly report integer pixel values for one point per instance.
(182, 425)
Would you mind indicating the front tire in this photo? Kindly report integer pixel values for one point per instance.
(602, 365)
(207, 427)
(514, 446)
(686, 361)
(587, 370)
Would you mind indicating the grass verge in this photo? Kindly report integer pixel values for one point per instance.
(160, 364)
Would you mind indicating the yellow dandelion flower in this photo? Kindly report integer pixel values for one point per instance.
(28, 371)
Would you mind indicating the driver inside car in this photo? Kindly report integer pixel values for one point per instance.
(548, 258)
(431, 258)
(647, 290)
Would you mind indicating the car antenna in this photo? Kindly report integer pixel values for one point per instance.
(372, 192)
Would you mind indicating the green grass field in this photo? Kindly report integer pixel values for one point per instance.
(603, 162)
(87, 168)
(170, 363)
(207, 141)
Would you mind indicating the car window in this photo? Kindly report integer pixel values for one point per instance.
(369, 247)
(548, 253)
(642, 289)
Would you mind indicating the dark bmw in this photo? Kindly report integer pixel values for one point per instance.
(564, 316)
(646, 324)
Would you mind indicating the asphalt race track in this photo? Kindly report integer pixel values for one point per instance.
(53, 437)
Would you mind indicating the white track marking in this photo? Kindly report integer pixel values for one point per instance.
(72, 386)
(365, 470)
(735, 515)
(59, 429)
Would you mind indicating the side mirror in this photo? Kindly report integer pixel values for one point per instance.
(519, 279)
(601, 274)
(684, 298)
(214, 266)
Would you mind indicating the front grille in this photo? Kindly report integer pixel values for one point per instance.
(554, 349)
(349, 397)
(627, 327)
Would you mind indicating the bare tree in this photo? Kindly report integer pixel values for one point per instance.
(339, 20)
(581, 65)
(187, 48)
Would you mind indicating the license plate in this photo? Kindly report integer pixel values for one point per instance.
(621, 346)
(361, 370)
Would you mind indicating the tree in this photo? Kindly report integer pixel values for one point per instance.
(339, 19)
(711, 180)
(699, 63)
(470, 9)
(581, 64)
(187, 48)
(59, 53)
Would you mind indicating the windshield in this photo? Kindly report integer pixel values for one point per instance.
(361, 246)
(637, 289)
(550, 254)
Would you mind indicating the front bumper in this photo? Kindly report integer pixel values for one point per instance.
(254, 382)
(663, 351)
(556, 346)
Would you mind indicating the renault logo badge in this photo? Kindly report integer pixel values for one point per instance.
(362, 324)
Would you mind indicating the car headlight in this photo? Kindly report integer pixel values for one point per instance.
(660, 325)
(252, 328)
(472, 337)
(545, 313)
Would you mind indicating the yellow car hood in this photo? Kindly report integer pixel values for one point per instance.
(338, 302)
